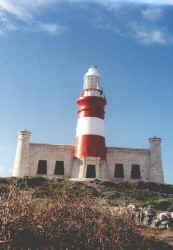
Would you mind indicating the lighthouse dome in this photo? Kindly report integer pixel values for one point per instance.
(92, 81)
(92, 71)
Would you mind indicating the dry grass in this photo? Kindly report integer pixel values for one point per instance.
(64, 223)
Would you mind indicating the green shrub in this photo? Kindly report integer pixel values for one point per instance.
(27, 182)
(170, 209)
(162, 204)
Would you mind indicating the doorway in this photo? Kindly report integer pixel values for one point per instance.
(91, 171)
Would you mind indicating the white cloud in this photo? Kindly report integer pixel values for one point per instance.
(24, 11)
(6, 25)
(112, 2)
(148, 35)
(146, 31)
(152, 14)
(10, 7)
(52, 28)
(154, 36)
(156, 2)
(23, 8)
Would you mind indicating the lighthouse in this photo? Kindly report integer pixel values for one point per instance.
(89, 158)
(90, 146)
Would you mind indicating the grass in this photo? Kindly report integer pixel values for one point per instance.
(141, 193)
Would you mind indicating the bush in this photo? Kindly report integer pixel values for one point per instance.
(162, 204)
(68, 221)
(4, 180)
(170, 209)
(30, 181)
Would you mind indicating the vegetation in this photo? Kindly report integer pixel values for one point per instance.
(39, 214)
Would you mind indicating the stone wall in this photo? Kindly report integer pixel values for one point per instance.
(51, 153)
(128, 157)
(28, 155)
(156, 170)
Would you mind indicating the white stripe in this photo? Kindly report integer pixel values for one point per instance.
(90, 126)
(91, 93)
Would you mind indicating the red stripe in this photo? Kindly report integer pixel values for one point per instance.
(91, 113)
(91, 106)
(90, 146)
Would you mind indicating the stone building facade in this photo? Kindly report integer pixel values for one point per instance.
(122, 164)
(113, 163)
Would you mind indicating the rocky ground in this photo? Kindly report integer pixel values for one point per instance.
(145, 215)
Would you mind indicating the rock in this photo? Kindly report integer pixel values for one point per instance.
(164, 216)
(131, 207)
(146, 216)
(114, 210)
(165, 222)
(156, 223)
(149, 211)
(163, 227)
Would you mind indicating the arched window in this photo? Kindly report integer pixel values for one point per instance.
(59, 168)
(42, 167)
(119, 171)
(135, 172)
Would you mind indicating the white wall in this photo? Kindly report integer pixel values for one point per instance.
(127, 157)
(51, 153)
(149, 161)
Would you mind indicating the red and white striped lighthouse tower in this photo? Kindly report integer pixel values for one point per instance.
(90, 140)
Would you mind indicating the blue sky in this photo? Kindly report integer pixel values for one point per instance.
(46, 46)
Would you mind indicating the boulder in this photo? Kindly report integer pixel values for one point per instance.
(164, 216)
(164, 222)
(146, 215)
(163, 227)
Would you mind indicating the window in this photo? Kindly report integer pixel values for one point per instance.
(42, 167)
(59, 168)
(91, 171)
(119, 171)
(135, 172)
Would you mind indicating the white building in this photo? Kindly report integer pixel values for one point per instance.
(89, 158)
